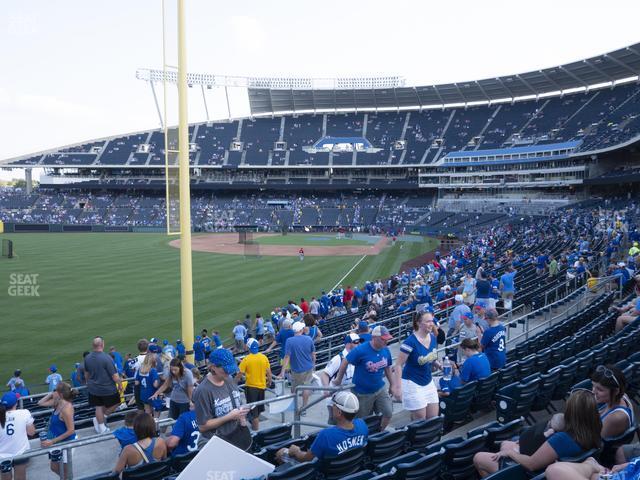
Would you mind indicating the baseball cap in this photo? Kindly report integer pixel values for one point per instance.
(298, 327)
(382, 332)
(253, 345)
(53, 368)
(198, 338)
(165, 342)
(622, 264)
(223, 358)
(346, 401)
(178, 341)
(17, 372)
(363, 325)
(76, 365)
(467, 314)
(9, 399)
(459, 298)
(352, 338)
(153, 340)
(154, 348)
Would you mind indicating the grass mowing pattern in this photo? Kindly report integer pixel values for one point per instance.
(127, 286)
(303, 240)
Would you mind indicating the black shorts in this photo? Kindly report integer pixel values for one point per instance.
(254, 394)
(107, 401)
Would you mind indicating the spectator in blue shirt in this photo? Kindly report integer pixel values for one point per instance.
(184, 434)
(239, 335)
(198, 352)
(180, 349)
(283, 335)
(507, 287)
(348, 433)
(300, 358)
(455, 319)
(372, 362)
(216, 339)
(476, 366)
(54, 378)
(125, 435)
(494, 341)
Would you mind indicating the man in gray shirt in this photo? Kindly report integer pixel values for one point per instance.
(103, 384)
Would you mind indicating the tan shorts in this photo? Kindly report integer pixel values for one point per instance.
(302, 378)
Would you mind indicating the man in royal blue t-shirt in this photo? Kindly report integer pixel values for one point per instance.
(348, 433)
(494, 341)
(372, 362)
(184, 434)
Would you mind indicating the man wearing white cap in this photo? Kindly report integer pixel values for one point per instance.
(300, 358)
(348, 433)
(372, 362)
(351, 341)
(455, 319)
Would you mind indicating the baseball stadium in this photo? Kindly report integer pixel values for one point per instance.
(360, 278)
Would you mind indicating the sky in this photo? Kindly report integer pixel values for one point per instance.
(68, 67)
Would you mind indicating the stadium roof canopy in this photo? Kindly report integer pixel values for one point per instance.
(606, 69)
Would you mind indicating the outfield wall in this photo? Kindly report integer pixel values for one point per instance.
(61, 228)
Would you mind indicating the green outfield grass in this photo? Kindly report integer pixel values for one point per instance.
(126, 286)
(308, 240)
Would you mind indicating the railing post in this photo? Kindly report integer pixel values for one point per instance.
(70, 462)
(296, 415)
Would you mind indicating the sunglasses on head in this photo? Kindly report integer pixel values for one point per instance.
(607, 374)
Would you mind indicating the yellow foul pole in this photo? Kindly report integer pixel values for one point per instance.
(185, 189)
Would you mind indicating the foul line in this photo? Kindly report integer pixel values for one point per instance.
(347, 274)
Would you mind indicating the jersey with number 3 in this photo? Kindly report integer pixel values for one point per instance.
(186, 429)
(13, 436)
(494, 345)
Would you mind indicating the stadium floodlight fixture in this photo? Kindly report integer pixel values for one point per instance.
(274, 83)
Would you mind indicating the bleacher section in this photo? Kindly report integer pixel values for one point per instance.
(598, 119)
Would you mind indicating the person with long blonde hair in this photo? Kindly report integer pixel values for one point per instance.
(148, 380)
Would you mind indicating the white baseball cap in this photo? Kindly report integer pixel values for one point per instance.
(298, 327)
(459, 298)
(346, 401)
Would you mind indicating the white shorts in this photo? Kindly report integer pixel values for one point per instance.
(416, 397)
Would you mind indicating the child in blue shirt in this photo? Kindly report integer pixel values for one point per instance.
(54, 378)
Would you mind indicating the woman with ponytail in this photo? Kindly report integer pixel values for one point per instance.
(15, 427)
(61, 427)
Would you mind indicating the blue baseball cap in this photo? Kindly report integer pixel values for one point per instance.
(253, 345)
(223, 358)
(198, 338)
(467, 314)
(153, 340)
(363, 325)
(9, 399)
(154, 348)
(53, 368)
(165, 342)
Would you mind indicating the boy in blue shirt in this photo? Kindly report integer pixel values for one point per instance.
(184, 434)
(198, 352)
(54, 378)
(125, 435)
(348, 433)
(180, 348)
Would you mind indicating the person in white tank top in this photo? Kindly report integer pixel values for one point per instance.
(15, 426)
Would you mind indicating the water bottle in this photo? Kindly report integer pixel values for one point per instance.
(446, 369)
(285, 457)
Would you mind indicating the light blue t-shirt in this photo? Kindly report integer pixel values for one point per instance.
(507, 282)
(300, 349)
(239, 332)
(456, 315)
(53, 380)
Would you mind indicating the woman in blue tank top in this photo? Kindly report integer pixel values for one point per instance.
(615, 409)
(61, 427)
(148, 449)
